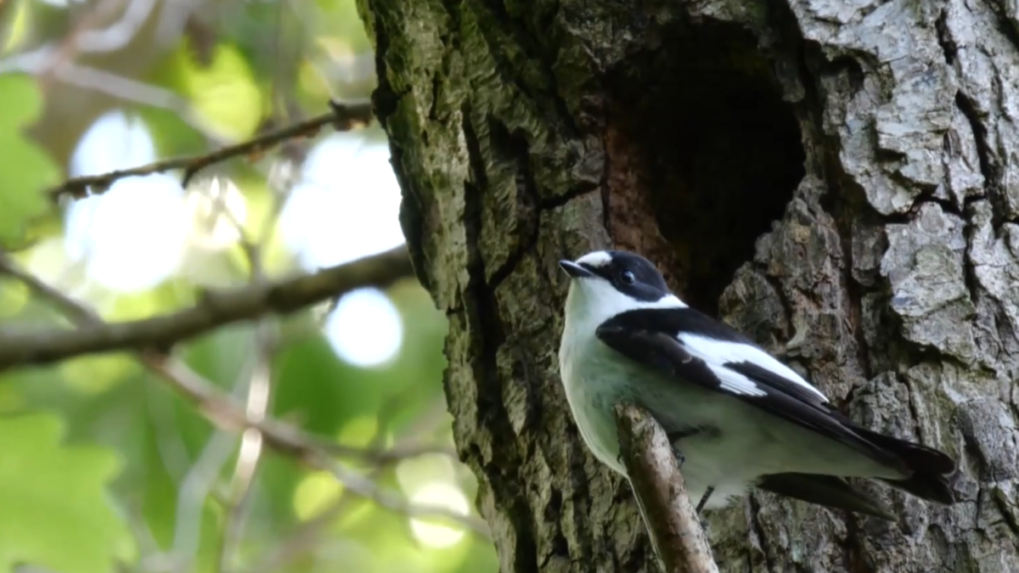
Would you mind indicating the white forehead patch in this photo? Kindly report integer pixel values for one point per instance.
(595, 259)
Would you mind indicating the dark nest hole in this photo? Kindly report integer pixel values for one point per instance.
(717, 152)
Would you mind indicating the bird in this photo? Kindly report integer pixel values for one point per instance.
(736, 416)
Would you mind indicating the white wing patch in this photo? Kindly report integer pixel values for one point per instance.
(717, 352)
(595, 259)
(667, 301)
(734, 382)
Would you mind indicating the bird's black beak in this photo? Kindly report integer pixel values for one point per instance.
(574, 270)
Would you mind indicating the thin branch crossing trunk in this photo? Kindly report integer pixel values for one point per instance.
(671, 519)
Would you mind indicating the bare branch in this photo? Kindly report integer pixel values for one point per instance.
(343, 117)
(394, 454)
(657, 483)
(135, 91)
(215, 309)
(221, 408)
(192, 494)
(291, 441)
(249, 458)
(227, 413)
(70, 308)
(217, 405)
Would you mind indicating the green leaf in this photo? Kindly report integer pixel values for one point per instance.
(224, 92)
(27, 170)
(56, 513)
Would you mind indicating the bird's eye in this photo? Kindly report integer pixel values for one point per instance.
(627, 277)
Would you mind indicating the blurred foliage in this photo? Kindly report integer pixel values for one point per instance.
(102, 466)
(20, 104)
(34, 486)
(222, 89)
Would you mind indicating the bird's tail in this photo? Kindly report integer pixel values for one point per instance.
(930, 468)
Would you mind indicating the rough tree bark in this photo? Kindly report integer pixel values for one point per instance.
(838, 179)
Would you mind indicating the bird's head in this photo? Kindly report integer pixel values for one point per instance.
(606, 283)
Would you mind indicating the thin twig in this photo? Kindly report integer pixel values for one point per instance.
(217, 191)
(213, 310)
(228, 414)
(657, 483)
(191, 498)
(343, 117)
(38, 63)
(170, 445)
(294, 443)
(249, 458)
(67, 306)
(134, 91)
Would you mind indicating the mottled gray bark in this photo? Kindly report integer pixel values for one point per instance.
(838, 179)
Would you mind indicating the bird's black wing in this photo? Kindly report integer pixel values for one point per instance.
(731, 365)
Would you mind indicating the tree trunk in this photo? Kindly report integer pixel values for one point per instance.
(837, 179)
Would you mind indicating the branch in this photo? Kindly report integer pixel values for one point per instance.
(671, 520)
(343, 117)
(213, 310)
(226, 412)
(249, 457)
(219, 408)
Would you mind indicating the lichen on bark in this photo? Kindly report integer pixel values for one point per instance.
(836, 179)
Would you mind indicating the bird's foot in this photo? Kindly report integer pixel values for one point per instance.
(705, 526)
(680, 458)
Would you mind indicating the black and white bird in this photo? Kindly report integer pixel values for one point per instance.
(737, 417)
